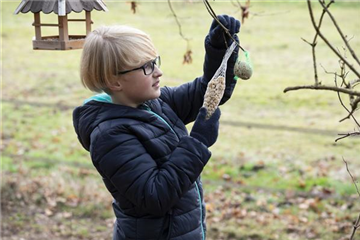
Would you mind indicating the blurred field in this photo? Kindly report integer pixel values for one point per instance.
(275, 172)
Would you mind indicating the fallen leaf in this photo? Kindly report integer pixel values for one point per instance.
(48, 212)
(226, 177)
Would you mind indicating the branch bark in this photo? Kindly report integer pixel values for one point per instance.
(324, 87)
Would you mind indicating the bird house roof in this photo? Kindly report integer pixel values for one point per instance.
(60, 7)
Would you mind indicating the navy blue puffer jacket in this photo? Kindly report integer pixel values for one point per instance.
(147, 160)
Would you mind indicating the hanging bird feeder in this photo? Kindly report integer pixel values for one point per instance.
(62, 8)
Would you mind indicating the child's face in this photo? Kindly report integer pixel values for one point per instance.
(138, 87)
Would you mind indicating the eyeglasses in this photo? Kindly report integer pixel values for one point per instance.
(148, 67)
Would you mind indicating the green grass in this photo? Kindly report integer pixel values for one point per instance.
(291, 134)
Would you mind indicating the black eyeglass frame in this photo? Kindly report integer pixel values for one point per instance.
(153, 63)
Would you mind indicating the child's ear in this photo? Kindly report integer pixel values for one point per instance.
(115, 86)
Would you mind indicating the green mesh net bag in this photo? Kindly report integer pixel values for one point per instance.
(243, 67)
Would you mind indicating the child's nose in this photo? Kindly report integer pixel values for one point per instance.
(157, 72)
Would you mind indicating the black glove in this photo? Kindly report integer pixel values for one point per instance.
(216, 32)
(206, 131)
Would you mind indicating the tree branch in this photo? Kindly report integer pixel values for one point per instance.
(355, 227)
(357, 223)
(314, 43)
(340, 32)
(328, 43)
(324, 87)
(178, 23)
(353, 107)
(352, 178)
(347, 135)
(355, 103)
(355, 82)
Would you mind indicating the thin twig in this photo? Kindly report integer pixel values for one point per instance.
(355, 227)
(342, 74)
(357, 223)
(260, 14)
(352, 178)
(237, 4)
(342, 103)
(353, 109)
(306, 41)
(178, 23)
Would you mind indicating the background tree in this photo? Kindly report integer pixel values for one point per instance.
(346, 79)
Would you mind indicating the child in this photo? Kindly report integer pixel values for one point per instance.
(136, 132)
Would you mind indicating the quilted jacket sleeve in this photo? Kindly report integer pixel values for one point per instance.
(152, 189)
(186, 99)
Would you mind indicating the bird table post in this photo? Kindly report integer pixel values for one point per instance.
(37, 26)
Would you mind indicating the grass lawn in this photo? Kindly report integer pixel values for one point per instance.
(276, 171)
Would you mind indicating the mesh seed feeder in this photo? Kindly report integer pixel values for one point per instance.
(62, 8)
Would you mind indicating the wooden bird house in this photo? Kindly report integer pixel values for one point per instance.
(62, 41)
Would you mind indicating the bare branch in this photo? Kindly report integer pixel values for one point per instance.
(355, 227)
(323, 87)
(345, 86)
(340, 32)
(307, 41)
(177, 22)
(353, 109)
(355, 103)
(187, 56)
(317, 29)
(354, 83)
(352, 178)
(357, 223)
(326, 71)
(347, 135)
(342, 75)
(342, 104)
(314, 43)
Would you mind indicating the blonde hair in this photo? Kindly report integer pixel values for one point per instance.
(110, 49)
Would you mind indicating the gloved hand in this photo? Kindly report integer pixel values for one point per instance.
(216, 32)
(206, 131)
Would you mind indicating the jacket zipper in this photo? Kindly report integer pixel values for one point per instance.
(201, 214)
(197, 187)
